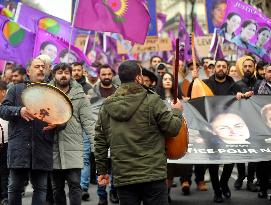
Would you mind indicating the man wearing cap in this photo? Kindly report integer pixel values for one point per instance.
(210, 68)
(149, 78)
(134, 123)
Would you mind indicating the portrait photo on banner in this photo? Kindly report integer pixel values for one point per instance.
(56, 48)
(215, 11)
(248, 28)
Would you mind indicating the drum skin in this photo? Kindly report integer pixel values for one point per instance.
(176, 147)
(47, 103)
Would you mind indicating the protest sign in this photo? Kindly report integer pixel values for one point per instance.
(152, 44)
(223, 131)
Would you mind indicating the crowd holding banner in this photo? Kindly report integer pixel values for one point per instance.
(250, 142)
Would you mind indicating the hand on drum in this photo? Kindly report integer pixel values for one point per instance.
(26, 114)
(49, 127)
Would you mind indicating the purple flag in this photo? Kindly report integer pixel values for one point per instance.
(197, 28)
(248, 28)
(57, 48)
(185, 47)
(33, 19)
(161, 20)
(129, 18)
(16, 44)
(215, 47)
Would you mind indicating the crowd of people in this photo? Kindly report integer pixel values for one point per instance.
(128, 111)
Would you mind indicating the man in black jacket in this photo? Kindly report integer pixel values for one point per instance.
(78, 75)
(244, 89)
(30, 145)
(221, 84)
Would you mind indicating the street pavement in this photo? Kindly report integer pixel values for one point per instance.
(241, 197)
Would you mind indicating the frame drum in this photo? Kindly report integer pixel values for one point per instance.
(47, 103)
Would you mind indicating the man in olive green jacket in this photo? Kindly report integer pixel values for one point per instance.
(134, 123)
(68, 144)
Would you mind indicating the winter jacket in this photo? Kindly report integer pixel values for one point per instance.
(134, 123)
(68, 140)
(86, 86)
(28, 145)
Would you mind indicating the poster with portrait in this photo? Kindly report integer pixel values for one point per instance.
(225, 130)
(215, 11)
(248, 28)
(57, 49)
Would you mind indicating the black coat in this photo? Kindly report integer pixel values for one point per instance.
(221, 88)
(28, 145)
(246, 84)
(86, 86)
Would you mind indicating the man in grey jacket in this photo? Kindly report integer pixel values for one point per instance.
(68, 140)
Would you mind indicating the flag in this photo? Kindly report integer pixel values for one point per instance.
(130, 18)
(16, 43)
(161, 20)
(215, 47)
(59, 49)
(33, 19)
(197, 28)
(185, 47)
(248, 28)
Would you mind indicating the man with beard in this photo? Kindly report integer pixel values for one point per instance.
(30, 145)
(246, 85)
(221, 84)
(68, 143)
(244, 89)
(100, 92)
(77, 74)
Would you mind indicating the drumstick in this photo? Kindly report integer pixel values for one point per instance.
(176, 71)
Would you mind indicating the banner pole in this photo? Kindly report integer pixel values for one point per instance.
(86, 43)
(216, 48)
(72, 26)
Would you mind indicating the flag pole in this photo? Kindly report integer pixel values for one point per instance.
(86, 43)
(176, 72)
(72, 26)
(216, 48)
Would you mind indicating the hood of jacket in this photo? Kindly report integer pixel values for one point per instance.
(122, 105)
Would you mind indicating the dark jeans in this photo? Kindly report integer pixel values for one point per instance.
(150, 193)
(18, 177)
(4, 172)
(49, 196)
(251, 169)
(72, 176)
(199, 170)
(224, 179)
(263, 169)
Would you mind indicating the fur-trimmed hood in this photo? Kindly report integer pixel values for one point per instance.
(125, 101)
